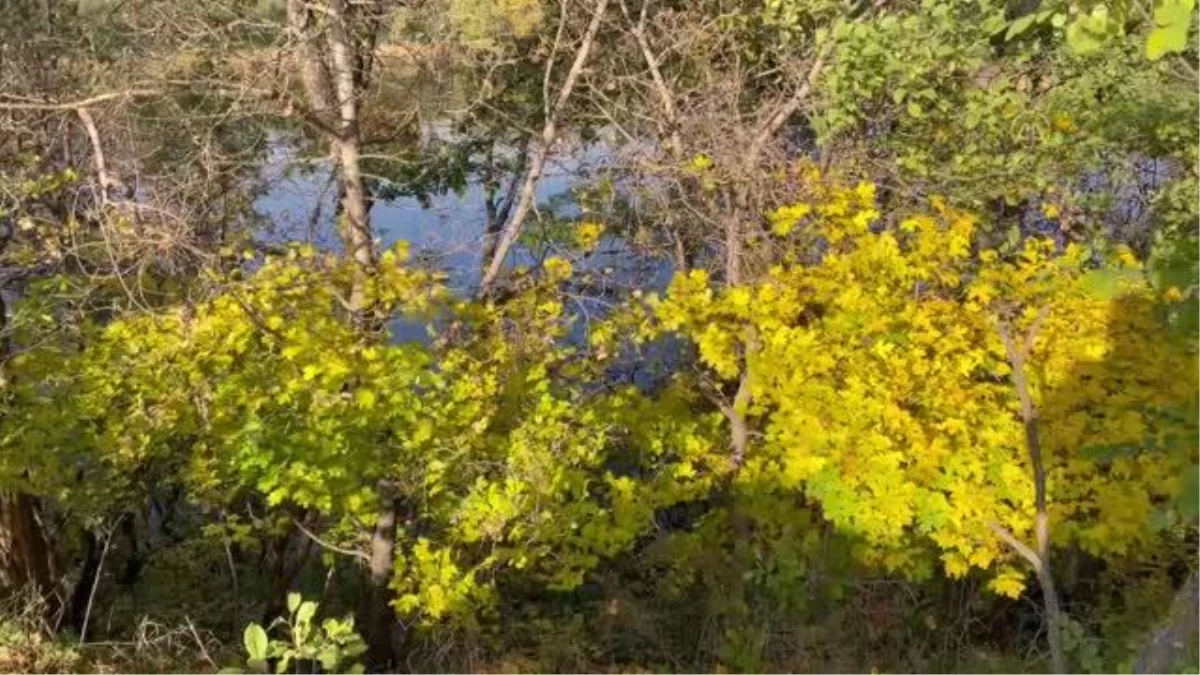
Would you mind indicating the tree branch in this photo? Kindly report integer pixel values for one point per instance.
(17, 103)
(324, 544)
(528, 195)
(1017, 545)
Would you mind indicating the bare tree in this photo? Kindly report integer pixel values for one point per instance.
(553, 112)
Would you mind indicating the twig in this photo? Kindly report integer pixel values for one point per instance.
(331, 547)
(199, 642)
(74, 105)
(87, 612)
(237, 596)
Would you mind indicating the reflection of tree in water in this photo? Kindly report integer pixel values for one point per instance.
(1128, 404)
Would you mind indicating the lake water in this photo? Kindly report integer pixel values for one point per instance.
(448, 231)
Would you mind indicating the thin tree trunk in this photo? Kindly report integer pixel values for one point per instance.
(528, 195)
(83, 587)
(380, 628)
(355, 228)
(346, 66)
(497, 214)
(666, 98)
(739, 427)
(1040, 556)
(671, 130)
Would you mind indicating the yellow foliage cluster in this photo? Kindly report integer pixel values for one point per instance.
(882, 388)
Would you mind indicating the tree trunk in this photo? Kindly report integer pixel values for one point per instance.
(1017, 354)
(334, 78)
(381, 630)
(1171, 642)
(26, 557)
(83, 587)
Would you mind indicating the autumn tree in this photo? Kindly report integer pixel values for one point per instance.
(948, 394)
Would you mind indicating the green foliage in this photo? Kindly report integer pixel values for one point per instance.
(334, 645)
(1172, 23)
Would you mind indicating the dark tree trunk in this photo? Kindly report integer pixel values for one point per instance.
(26, 557)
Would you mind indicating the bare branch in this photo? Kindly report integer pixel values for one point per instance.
(324, 544)
(19, 103)
(528, 195)
(1017, 545)
(102, 176)
(772, 124)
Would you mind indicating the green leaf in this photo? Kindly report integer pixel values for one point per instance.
(255, 640)
(329, 658)
(1020, 26)
(306, 612)
(1107, 283)
(1088, 32)
(258, 665)
(293, 602)
(1172, 19)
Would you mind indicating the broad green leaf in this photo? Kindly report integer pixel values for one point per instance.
(1020, 26)
(305, 614)
(329, 657)
(255, 641)
(1087, 33)
(1172, 20)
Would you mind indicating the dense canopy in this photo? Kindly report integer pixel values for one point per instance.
(599, 335)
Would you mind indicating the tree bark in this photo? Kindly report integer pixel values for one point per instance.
(1040, 555)
(83, 587)
(26, 557)
(355, 228)
(1171, 642)
(381, 630)
(334, 79)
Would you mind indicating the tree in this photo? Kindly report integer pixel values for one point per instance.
(879, 378)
